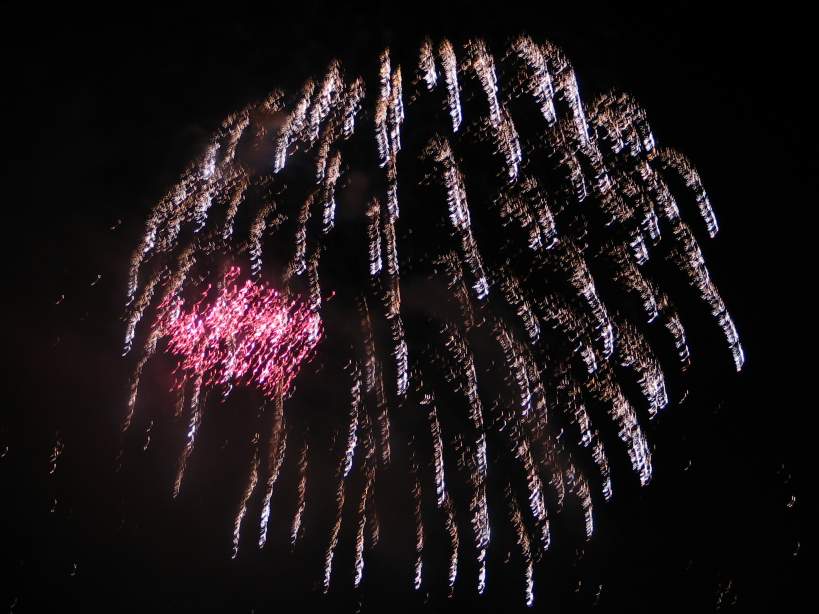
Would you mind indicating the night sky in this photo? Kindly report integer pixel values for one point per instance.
(106, 109)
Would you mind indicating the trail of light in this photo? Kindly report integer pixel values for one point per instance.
(253, 479)
(277, 447)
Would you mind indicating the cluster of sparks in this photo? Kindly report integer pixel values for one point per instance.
(544, 230)
(248, 334)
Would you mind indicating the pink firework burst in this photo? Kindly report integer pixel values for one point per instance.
(250, 334)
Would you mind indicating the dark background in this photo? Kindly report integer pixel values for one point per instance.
(107, 105)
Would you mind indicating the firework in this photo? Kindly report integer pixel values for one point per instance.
(504, 261)
(247, 334)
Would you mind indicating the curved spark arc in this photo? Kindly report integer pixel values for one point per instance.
(277, 448)
(540, 235)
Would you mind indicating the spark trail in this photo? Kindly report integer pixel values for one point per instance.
(492, 267)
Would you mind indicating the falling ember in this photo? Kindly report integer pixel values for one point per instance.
(249, 334)
(56, 452)
(504, 260)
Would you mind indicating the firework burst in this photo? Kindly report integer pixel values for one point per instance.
(248, 334)
(504, 261)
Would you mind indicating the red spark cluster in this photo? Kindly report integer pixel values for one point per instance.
(249, 334)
